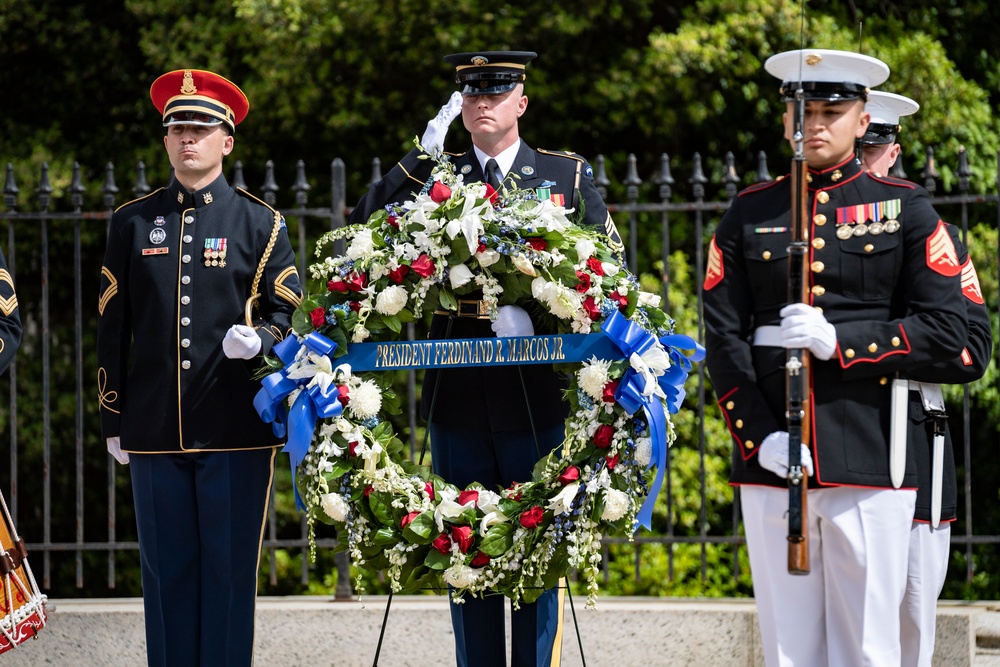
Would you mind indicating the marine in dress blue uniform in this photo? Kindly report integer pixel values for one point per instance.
(179, 268)
(10, 317)
(883, 277)
(490, 425)
(930, 437)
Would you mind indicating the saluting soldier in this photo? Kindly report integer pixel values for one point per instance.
(484, 421)
(180, 266)
(882, 280)
(930, 437)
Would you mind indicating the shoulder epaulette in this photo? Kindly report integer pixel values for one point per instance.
(138, 199)
(256, 199)
(565, 154)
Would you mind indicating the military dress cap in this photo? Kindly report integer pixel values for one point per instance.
(826, 74)
(489, 72)
(197, 97)
(886, 110)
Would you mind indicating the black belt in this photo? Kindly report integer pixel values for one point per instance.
(468, 308)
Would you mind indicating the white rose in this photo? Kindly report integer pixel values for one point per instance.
(461, 576)
(459, 275)
(615, 504)
(365, 400)
(335, 506)
(390, 300)
(585, 249)
(359, 335)
(488, 500)
(487, 257)
(362, 245)
(649, 299)
(643, 451)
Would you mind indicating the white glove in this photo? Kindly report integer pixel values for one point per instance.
(437, 127)
(115, 449)
(773, 455)
(513, 321)
(804, 327)
(241, 342)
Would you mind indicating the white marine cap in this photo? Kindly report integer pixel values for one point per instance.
(827, 74)
(886, 110)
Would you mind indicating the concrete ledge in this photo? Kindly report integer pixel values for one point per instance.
(318, 631)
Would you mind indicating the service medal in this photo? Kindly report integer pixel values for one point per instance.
(891, 226)
(860, 230)
(876, 228)
(844, 232)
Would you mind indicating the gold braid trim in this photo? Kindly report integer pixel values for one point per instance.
(254, 294)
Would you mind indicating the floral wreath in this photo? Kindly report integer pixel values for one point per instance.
(409, 260)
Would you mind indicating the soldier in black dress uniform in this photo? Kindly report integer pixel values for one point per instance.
(930, 438)
(10, 318)
(490, 425)
(883, 275)
(179, 268)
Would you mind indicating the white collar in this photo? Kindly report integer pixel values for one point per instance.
(505, 160)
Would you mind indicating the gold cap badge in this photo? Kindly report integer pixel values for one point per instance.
(187, 85)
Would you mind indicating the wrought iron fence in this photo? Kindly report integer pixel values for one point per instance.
(53, 493)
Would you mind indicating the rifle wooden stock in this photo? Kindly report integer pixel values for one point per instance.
(797, 368)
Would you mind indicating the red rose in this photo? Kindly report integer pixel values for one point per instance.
(397, 274)
(480, 559)
(344, 396)
(481, 247)
(491, 194)
(570, 474)
(584, 283)
(337, 285)
(318, 317)
(532, 518)
(609, 391)
(612, 462)
(514, 492)
(429, 490)
(356, 281)
(355, 305)
(538, 244)
(392, 221)
(595, 265)
(466, 496)
(440, 192)
(593, 312)
(408, 519)
(368, 490)
(603, 436)
(351, 446)
(423, 266)
(622, 300)
(463, 537)
(442, 543)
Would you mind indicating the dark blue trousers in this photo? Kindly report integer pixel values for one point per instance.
(201, 520)
(497, 460)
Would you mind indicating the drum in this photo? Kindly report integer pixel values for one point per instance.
(22, 607)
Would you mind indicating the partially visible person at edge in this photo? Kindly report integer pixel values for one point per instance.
(937, 488)
(10, 317)
(882, 277)
(483, 420)
(178, 271)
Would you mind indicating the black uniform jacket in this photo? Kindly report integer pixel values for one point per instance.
(967, 367)
(494, 398)
(10, 318)
(886, 275)
(168, 302)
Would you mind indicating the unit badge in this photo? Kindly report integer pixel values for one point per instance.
(159, 221)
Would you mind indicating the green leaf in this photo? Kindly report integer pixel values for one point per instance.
(498, 539)
(421, 529)
(381, 508)
(385, 537)
(393, 323)
(447, 300)
(437, 561)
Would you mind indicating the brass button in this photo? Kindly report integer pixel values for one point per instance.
(809, 178)
(730, 405)
(895, 341)
(766, 254)
(818, 290)
(883, 381)
(836, 176)
(818, 267)
(869, 247)
(822, 197)
(819, 219)
(849, 353)
(818, 244)
(873, 348)
(739, 423)
(749, 444)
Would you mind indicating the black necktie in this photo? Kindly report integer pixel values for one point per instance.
(493, 173)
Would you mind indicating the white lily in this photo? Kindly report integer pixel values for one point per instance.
(585, 249)
(448, 508)
(523, 265)
(562, 502)
(491, 519)
(488, 501)
(459, 275)
(469, 223)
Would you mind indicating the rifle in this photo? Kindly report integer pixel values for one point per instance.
(797, 361)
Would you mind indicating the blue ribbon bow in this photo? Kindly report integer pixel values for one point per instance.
(299, 422)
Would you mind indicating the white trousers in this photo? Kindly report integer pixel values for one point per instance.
(845, 612)
(925, 575)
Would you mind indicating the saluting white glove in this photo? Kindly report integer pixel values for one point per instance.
(115, 449)
(804, 327)
(513, 321)
(241, 342)
(437, 127)
(773, 455)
